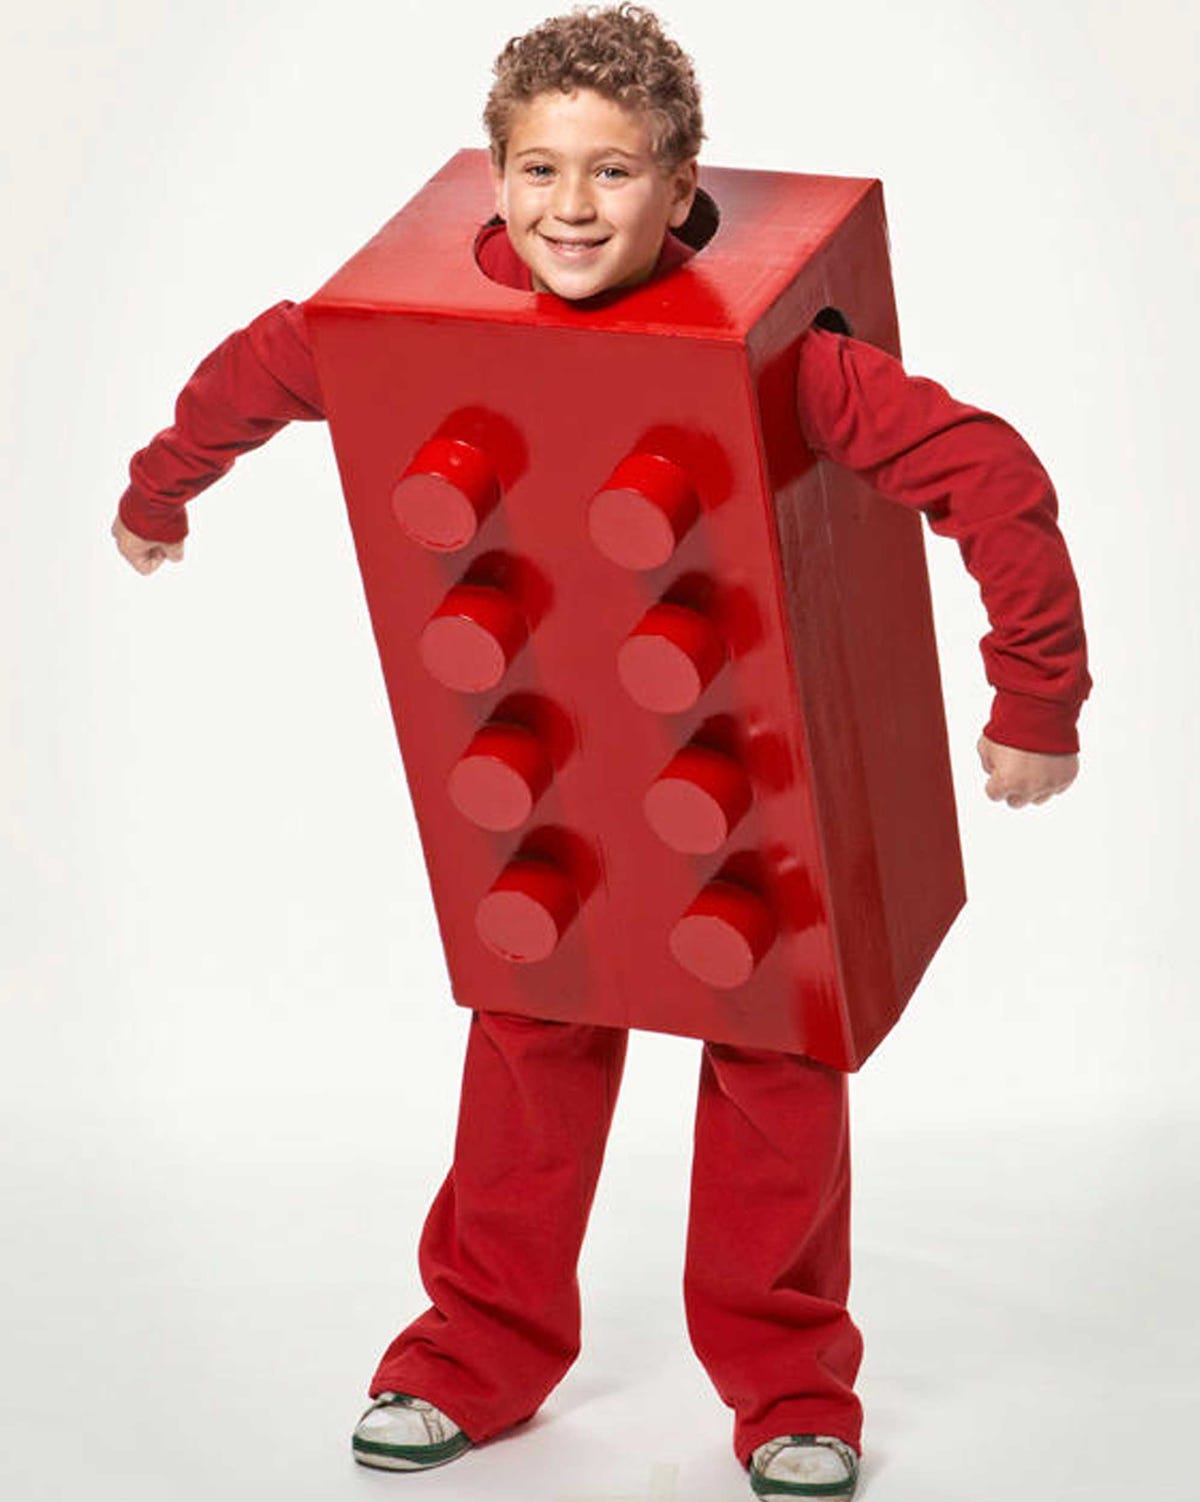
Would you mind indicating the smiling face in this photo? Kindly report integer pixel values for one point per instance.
(586, 203)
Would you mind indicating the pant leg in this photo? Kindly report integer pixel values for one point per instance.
(768, 1247)
(501, 1242)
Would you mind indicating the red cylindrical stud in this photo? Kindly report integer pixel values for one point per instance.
(445, 493)
(527, 910)
(697, 799)
(723, 935)
(500, 776)
(643, 511)
(472, 637)
(670, 658)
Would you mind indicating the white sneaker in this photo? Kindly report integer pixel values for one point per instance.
(804, 1465)
(399, 1433)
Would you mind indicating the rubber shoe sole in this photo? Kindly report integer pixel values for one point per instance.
(407, 1457)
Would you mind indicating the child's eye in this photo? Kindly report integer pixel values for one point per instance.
(536, 169)
(613, 172)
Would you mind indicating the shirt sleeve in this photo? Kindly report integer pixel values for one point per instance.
(254, 383)
(976, 480)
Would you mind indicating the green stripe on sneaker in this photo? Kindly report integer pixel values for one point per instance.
(763, 1486)
(417, 1454)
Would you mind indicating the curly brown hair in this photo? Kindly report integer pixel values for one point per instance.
(621, 52)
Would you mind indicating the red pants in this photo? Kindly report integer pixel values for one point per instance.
(768, 1254)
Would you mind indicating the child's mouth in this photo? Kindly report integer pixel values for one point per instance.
(573, 250)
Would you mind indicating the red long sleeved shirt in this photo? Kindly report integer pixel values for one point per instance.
(973, 477)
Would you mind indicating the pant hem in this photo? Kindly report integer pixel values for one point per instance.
(477, 1426)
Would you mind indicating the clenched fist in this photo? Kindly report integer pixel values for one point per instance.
(1021, 777)
(141, 552)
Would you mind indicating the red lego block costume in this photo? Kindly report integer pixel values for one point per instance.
(569, 471)
(666, 693)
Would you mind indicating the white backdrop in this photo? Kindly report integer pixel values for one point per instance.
(230, 1061)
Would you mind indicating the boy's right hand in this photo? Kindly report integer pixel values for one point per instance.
(144, 554)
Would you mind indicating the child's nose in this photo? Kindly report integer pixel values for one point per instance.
(573, 199)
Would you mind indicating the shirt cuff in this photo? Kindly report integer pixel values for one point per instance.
(157, 521)
(1029, 724)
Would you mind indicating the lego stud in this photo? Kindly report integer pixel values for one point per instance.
(445, 493)
(500, 776)
(642, 513)
(697, 799)
(472, 637)
(527, 910)
(723, 935)
(670, 658)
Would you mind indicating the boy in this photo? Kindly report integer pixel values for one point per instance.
(594, 123)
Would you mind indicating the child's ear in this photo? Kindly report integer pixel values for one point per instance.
(500, 189)
(685, 180)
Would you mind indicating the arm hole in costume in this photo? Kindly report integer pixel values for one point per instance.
(833, 321)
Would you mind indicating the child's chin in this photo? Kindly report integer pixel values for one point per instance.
(574, 284)
(577, 289)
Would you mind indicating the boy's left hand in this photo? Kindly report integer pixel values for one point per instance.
(1021, 777)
